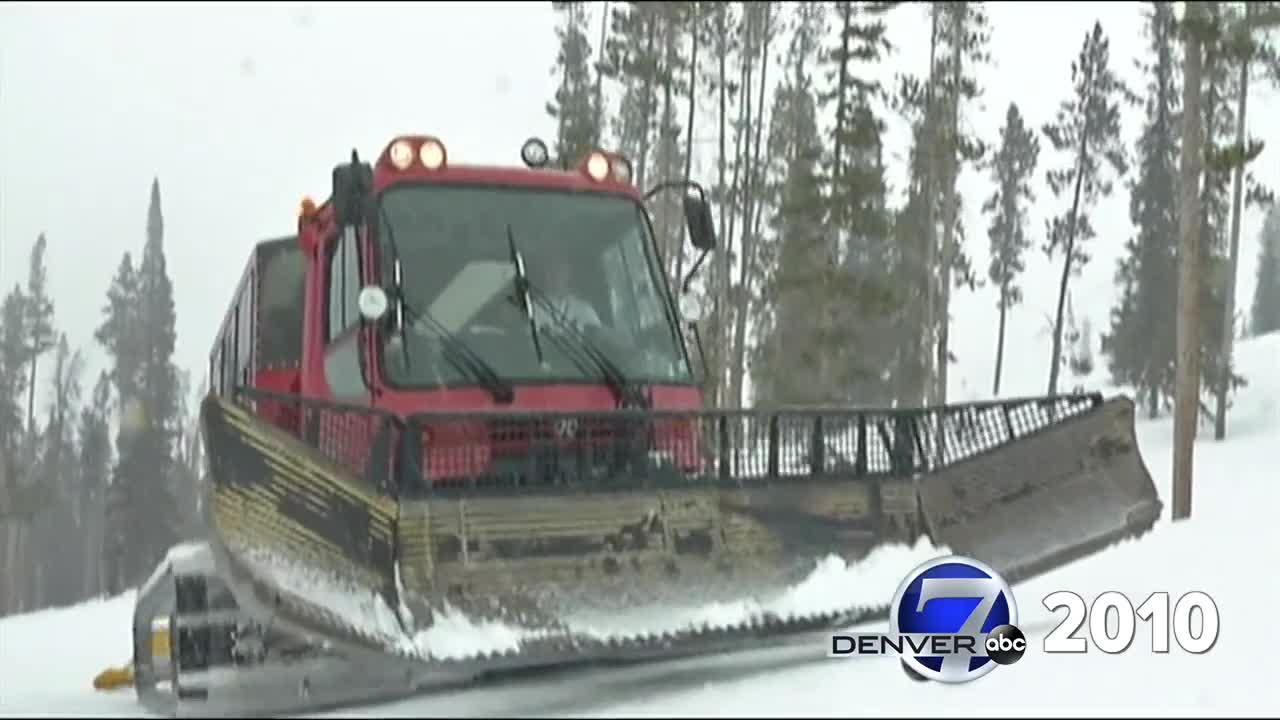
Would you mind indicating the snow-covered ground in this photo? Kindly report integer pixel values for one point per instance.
(48, 659)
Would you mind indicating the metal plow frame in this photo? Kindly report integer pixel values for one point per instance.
(347, 488)
(187, 663)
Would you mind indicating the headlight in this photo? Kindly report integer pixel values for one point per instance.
(431, 154)
(401, 154)
(597, 166)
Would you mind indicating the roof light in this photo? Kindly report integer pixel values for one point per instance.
(432, 154)
(306, 208)
(401, 154)
(534, 153)
(597, 166)
(621, 169)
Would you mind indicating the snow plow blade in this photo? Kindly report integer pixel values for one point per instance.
(347, 534)
(1051, 498)
(302, 539)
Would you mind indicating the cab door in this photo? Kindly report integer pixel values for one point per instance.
(347, 424)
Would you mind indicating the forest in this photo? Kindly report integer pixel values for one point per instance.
(828, 288)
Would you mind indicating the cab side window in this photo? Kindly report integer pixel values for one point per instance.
(229, 355)
(215, 371)
(342, 357)
(245, 335)
(344, 284)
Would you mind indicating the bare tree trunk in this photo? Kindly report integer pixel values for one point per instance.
(959, 17)
(928, 192)
(1055, 362)
(725, 304)
(741, 154)
(695, 26)
(719, 288)
(13, 570)
(752, 155)
(646, 102)
(1004, 311)
(599, 95)
(1229, 289)
(823, 375)
(755, 200)
(1187, 366)
(665, 144)
(31, 394)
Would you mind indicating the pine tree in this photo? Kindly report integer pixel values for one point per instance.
(574, 105)
(1012, 169)
(1221, 92)
(634, 59)
(1139, 344)
(120, 336)
(143, 506)
(1087, 129)
(18, 501)
(39, 320)
(1265, 310)
(851, 272)
(1244, 49)
(95, 470)
(928, 231)
(964, 34)
(160, 391)
(915, 235)
(57, 564)
(786, 359)
(668, 154)
(14, 353)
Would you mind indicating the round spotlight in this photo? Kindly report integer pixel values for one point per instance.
(372, 303)
(621, 169)
(597, 166)
(431, 154)
(401, 154)
(534, 153)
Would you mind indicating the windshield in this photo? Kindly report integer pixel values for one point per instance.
(590, 254)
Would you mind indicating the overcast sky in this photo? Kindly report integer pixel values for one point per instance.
(241, 109)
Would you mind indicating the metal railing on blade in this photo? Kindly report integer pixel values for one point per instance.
(434, 452)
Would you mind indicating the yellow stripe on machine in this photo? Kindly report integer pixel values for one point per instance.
(160, 646)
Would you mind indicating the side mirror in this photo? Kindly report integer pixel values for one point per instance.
(352, 191)
(373, 303)
(702, 370)
(702, 228)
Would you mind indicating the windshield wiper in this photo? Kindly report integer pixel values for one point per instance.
(461, 356)
(521, 281)
(457, 352)
(528, 294)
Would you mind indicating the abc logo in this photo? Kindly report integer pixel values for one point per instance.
(1005, 644)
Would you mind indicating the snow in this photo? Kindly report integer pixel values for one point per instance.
(833, 585)
(356, 606)
(453, 635)
(48, 659)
